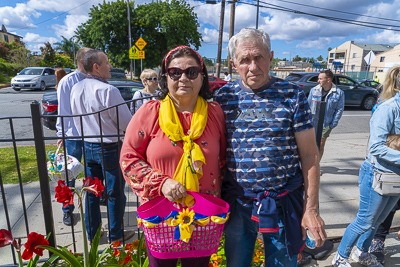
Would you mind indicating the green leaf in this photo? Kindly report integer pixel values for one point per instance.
(51, 260)
(94, 249)
(64, 254)
(146, 262)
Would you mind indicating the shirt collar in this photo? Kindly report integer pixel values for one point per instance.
(91, 76)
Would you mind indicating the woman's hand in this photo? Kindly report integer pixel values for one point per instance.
(173, 190)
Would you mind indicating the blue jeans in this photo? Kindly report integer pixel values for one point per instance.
(240, 237)
(74, 148)
(372, 211)
(114, 184)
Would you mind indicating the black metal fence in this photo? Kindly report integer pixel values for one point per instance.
(18, 210)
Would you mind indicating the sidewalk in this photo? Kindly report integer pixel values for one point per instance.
(339, 196)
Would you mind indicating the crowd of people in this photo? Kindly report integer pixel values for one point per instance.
(251, 143)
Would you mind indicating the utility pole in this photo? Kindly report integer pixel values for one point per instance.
(132, 72)
(258, 11)
(221, 32)
(231, 31)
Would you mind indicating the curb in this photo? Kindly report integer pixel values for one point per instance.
(4, 86)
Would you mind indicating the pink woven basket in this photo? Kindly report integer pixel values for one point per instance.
(204, 240)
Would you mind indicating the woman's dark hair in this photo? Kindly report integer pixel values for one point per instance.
(183, 52)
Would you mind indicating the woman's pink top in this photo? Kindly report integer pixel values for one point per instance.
(149, 157)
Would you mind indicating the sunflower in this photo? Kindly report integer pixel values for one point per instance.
(185, 218)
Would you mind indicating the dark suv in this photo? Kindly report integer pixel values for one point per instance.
(355, 94)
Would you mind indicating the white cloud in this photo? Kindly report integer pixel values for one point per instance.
(36, 38)
(320, 43)
(18, 17)
(385, 37)
(71, 23)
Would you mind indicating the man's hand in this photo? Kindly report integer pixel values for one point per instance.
(173, 190)
(59, 142)
(313, 222)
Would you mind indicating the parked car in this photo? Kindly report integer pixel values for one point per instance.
(371, 83)
(34, 78)
(355, 94)
(215, 82)
(117, 73)
(50, 103)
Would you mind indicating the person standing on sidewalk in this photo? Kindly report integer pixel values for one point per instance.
(101, 152)
(272, 177)
(374, 208)
(66, 127)
(334, 98)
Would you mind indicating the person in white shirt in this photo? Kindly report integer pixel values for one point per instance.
(150, 81)
(89, 96)
(228, 77)
(65, 125)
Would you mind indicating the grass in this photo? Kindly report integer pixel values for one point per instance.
(27, 163)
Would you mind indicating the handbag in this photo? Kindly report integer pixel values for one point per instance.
(386, 184)
(56, 166)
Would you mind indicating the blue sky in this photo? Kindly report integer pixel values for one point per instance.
(39, 21)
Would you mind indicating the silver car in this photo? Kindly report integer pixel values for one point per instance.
(34, 78)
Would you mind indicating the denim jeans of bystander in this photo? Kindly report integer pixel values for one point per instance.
(241, 235)
(372, 211)
(100, 160)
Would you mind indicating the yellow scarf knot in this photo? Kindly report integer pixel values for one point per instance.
(189, 169)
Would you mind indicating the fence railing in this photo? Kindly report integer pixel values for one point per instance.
(15, 215)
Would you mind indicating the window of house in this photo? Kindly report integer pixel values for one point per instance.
(382, 59)
(354, 55)
(353, 67)
(332, 55)
(6, 38)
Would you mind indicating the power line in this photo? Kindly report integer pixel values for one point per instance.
(343, 20)
(23, 28)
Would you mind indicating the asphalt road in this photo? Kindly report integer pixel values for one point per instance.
(14, 103)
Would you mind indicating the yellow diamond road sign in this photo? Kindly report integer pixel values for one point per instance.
(141, 54)
(141, 43)
(133, 52)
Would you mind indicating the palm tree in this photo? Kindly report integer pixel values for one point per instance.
(67, 46)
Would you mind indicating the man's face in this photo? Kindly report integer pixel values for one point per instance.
(323, 80)
(103, 70)
(253, 63)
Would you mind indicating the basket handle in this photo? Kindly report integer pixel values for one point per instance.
(204, 204)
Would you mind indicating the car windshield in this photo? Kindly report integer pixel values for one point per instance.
(293, 77)
(31, 72)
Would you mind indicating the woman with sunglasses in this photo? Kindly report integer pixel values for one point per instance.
(181, 138)
(150, 81)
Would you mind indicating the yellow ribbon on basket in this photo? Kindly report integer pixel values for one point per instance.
(189, 169)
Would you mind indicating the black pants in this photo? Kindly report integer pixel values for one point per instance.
(383, 228)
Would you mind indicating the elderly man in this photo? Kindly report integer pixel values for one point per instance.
(90, 95)
(73, 146)
(334, 98)
(272, 181)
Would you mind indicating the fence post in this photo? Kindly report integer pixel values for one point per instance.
(42, 168)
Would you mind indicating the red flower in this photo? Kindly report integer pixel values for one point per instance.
(64, 194)
(116, 252)
(34, 240)
(116, 244)
(93, 186)
(5, 238)
(128, 259)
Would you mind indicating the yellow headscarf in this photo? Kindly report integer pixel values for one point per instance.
(189, 169)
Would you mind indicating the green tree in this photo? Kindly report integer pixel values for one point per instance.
(163, 25)
(49, 55)
(66, 46)
(311, 60)
(63, 61)
(296, 58)
(320, 58)
(208, 62)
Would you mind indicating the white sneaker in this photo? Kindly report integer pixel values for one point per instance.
(366, 259)
(338, 261)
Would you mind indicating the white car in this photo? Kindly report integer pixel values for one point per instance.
(34, 78)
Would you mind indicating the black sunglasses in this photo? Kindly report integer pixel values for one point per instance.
(152, 79)
(176, 73)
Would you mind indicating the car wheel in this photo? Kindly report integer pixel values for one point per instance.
(42, 86)
(368, 102)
